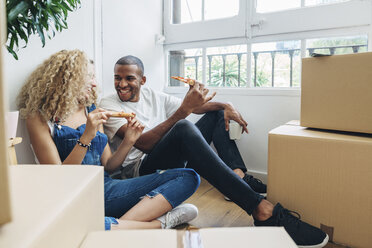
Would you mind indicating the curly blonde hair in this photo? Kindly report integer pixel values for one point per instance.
(57, 87)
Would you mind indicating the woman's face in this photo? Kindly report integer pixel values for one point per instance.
(90, 82)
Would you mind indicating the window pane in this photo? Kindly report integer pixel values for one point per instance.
(184, 11)
(264, 6)
(226, 66)
(185, 63)
(276, 64)
(215, 9)
(337, 45)
(319, 2)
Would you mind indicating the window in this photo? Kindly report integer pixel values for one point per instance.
(184, 11)
(276, 64)
(274, 5)
(264, 6)
(261, 45)
(227, 66)
(337, 45)
(319, 2)
(186, 63)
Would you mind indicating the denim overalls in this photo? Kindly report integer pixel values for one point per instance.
(175, 185)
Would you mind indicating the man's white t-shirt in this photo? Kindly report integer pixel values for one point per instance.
(152, 109)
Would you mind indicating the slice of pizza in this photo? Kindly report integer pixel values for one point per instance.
(122, 114)
(185, 80)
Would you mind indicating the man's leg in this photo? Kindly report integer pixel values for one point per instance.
(212, 126)
(184, 143)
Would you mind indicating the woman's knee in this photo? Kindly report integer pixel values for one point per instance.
(191, 178)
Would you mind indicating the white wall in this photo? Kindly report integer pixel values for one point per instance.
(129, 28)
(78, 36)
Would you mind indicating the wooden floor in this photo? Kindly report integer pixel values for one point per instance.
(215, 211)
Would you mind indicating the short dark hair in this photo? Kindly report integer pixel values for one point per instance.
(131, 60)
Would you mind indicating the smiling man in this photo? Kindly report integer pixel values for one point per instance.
(159, 112)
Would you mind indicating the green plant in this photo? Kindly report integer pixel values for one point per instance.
(43, 17)
(231, 73)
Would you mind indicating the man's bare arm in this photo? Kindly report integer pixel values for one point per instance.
(195, 97)
(148, 139)
(230, 113)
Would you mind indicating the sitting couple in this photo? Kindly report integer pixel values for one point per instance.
(58, 102)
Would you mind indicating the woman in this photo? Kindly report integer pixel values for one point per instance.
(58, 103)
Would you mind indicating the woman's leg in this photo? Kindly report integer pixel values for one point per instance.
(148, 209)
(112, 223)
(148, 197)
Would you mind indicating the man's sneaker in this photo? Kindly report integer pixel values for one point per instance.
(303, 234)
(256, 184)
(178, 215)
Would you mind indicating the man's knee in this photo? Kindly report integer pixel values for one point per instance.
(217, 115)
(183, 125)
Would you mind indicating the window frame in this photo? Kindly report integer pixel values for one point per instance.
(204, 30)
(258, 31)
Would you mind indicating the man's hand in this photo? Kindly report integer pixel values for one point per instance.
(196, 97)
(230, 113)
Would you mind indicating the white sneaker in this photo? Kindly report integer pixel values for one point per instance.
(178, 215)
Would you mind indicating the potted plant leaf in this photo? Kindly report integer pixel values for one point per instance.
(42, 17)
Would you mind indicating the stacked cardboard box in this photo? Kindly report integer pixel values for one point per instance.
(337, 92)
(321, 173)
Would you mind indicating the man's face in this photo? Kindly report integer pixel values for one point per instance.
(128, 82)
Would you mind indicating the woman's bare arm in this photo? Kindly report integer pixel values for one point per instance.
(43, 144)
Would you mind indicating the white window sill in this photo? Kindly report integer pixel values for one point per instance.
(242, 91)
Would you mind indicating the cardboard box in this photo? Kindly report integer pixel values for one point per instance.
(237, 237)
(5, 212)
(53, 206)
(337, 92)
(326, 177)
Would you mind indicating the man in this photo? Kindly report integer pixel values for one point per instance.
(170, 141)
(162, 111)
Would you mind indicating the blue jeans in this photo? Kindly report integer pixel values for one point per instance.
(175, 185)
(185, 145)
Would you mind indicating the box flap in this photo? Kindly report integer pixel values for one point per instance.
(292, 130)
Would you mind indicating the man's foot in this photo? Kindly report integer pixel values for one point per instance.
(256, 184)
(303, 234)
(178, 215)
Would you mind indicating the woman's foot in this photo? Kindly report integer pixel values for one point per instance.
(182, 214)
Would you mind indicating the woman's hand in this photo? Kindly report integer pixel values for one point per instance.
(134, 130)
(94, 121)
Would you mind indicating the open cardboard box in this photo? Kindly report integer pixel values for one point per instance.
(237, 237)
(326, 177)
